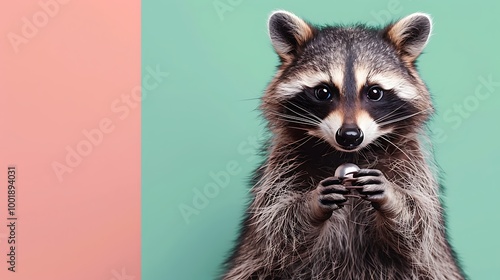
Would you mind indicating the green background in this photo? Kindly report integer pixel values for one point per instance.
(203, 118)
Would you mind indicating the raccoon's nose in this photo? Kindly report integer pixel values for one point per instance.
(349, 136)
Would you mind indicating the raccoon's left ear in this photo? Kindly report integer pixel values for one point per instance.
(410, 35)
(288, 34)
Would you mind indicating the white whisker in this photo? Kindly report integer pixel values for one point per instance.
(403, 118)
(382, 137)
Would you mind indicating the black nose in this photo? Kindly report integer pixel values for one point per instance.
(349, 136)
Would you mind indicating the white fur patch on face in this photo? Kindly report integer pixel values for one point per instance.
(370, 128)
(403, 89)
(328, 128)
(309, 79)
(361, 76)
(387, 81)
(337, 76)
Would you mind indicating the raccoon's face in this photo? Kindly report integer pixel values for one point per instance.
(348, 86)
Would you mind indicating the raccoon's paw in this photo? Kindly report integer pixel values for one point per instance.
(331, 193)
(372, 185)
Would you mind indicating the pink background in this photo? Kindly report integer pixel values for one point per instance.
(61, 81)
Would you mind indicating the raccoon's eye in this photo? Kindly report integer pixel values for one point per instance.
(322, 93)
(375, 93)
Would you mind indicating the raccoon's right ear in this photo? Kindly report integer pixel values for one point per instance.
(288, 34)
(410, 35)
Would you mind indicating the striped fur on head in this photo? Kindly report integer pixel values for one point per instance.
(330, 78)
(349, 61)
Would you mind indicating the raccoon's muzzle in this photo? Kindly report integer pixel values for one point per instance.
(349, 136)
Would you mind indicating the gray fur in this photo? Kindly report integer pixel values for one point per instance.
(399, 234)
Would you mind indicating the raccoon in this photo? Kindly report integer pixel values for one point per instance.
(346, 94)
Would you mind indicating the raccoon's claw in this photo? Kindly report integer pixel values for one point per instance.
(332, 185)
(367, 172)
(371, 184)
(332, 193)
